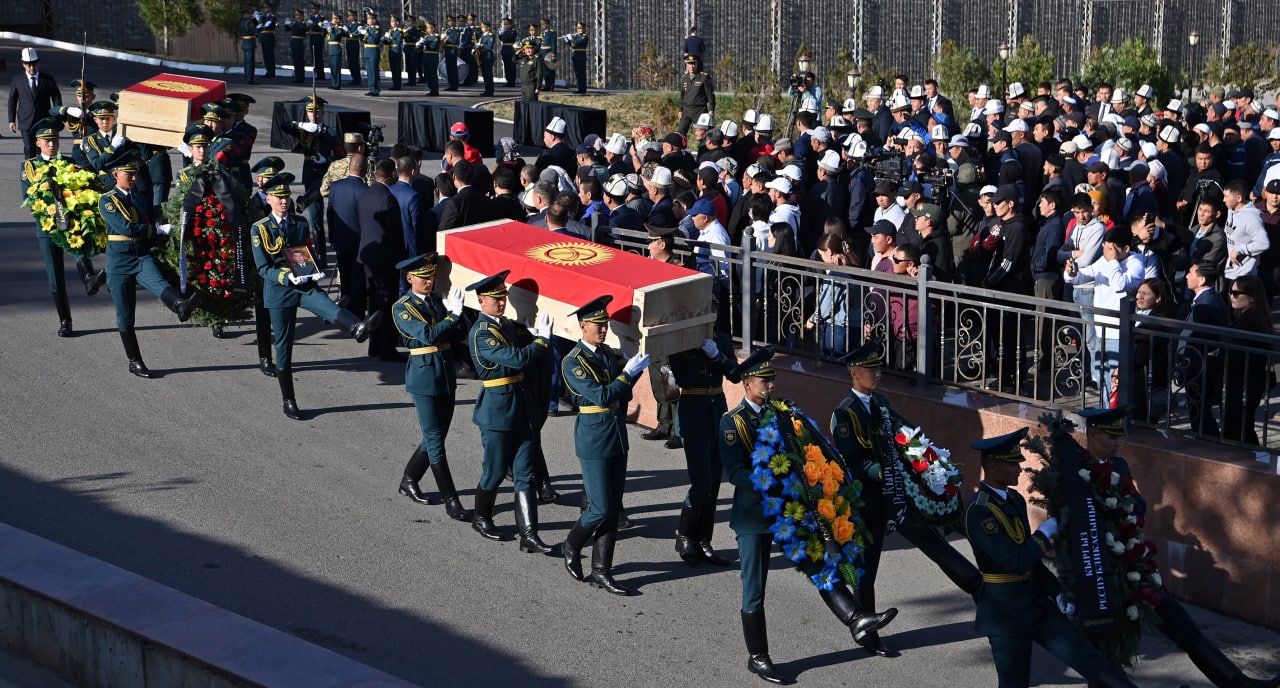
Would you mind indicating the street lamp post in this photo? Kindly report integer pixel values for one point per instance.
(1003, 51)
(853, 77)
(1192, 39)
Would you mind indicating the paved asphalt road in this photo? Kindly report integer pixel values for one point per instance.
(198, 481)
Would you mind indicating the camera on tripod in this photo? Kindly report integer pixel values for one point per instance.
(942, 179)
(374, 138)
(888, 164)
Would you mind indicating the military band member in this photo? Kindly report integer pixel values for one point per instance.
(315, 39)
(755, 540)
(430, 326)
(373, 39)
(1016, 603)
(507, 37)
(547, 46)
(267, 38)
(273, 238)
(77, 118)
(394, 39)
(297, 28)
(579, 42)
(484, 56)
(504, 409)
(432, 44)
(333, 37)
(248, 41)
(34, 172)
(467, 35)
(131, 227)
(352, 45)
(449, 38)
(599, 384)
(319, 146)
(412, 52)
(697, 94)
(530, 67)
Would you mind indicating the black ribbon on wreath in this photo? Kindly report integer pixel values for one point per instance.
(895, 490)
(1097, 599)
(221, 188)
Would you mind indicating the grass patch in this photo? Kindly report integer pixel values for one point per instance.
(626, 111)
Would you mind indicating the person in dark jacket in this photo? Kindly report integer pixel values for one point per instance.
(469, 205)
(1046, 270)
(381, 247)
(343, 214)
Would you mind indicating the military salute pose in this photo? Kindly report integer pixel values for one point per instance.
(530, 67)
(600, 386)
(1016, 604)
(273, 238)
(429, 327)
(755, 539)
(33, 172)
(128, 215)
(504, 409)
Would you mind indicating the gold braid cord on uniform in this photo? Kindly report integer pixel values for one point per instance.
(1015, 531)
(267, 245)
(864, 440)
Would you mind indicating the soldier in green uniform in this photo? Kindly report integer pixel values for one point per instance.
(266, 18)
(429, 327)
(578, 42)
(315, 39)
(372, 51)
(547, 46)
(431, 44)
(273, 238)
(450, 38)
(863, 427)
(484, 56)
(319, 146)
(333, 38)
(226, 147)
(352, 45)
(1016, 603)
(504, 409)
(128, 216)
(34, 172)
(467, 35)
(297, 28)
(530, 67)
(237, 105)
(599, 384)
(1105, 431)
(755, 540)
(507, 36)
(697, 94)
(394, 39)
(248, 41)
(103, 144)
(77, 119)
(412, 51)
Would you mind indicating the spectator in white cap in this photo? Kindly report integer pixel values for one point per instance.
(1173, 109)
(1169, 153)
(784, 209)
(762, 144)
(1272, 159)
(881, 118)
(616, 154)
(829, 197)
(941, 140)
(31, 95)
(1119, 99)
(558, 152)
(1015, 94)
(701, 125)
(621, 216)
(1142, 99)
(662, 214)
(728, 171)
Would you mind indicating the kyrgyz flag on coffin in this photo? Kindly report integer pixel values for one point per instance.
(158, 110)
(659, 307)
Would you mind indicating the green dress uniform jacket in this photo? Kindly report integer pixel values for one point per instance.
(428, 331)
(579, 42)
(507, 36)
(267, 39)
(432, 44)
(269, 238)
(394, 39)
(315, 39)
(248, 44)
(352, 44)
(530, 70)
(333, 38)
(373, 39)
(33, 172)
(737, 441)
(413, 53)
(702, 401)
(450, 37)
(484, 59)
(547, 46)
(128, 216)
(504, 402)
(1017, 590)
(78, 127)
(600, 391)
(697, 95)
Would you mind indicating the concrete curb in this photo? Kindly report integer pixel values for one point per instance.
(98, 625)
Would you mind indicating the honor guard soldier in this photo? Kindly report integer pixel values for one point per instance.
(315, 40)
(1105, 430)
(131, 228)
(1016, 603)
(429, 327)
(450, 38)
(34, 172)
(352, 44)
(297, 28)
(333, 37)
(281, 242)
(467, 35)
(578, 42)
(484, 56)
(267, 38)
(319, 145)
(530, 67)
(504, 409)
(237, 105)
(697, 94)
(372, 50)
(600, 385)
(507, 37)
(105, 143)
(248, 41)
(412, 51)
(394, 39)
(547, 46)
(755, 539)
(263, 170)
(77, 119)
(225, 146)
(431, 43)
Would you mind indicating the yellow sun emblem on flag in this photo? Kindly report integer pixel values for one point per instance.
(172, 86)
(570, 253)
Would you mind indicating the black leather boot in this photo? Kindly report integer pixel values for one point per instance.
(360, 329)
(134, 354)
(1216, 667)
(706, 525)
(527, 524)
(180, 306)
(93, 279)
(845, 606)
(290, 401)
(602, 566)
(262, 325)
(571, 549)
(758, 661)
(542, 479)
(444, 483)
(413, 472)
(482, 517)
(63, 307)
(686, 537)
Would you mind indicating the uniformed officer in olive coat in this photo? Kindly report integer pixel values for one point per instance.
(529, 66)
(697, 95)
(599, 384)
(429, 326)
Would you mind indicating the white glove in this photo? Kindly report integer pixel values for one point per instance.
(164, 229)
(327, 26)
(309, 127)
(296, 280)
(453, 302)
(1049, 527)
(118, 141)
(257, 16)
(542, 326)
(319, 159)
(710, 349)
(75, 111)
(184, 149)
(636, 364)
(1064, 606)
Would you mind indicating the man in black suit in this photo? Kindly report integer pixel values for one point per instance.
(505, 205)
(381, 247)
(31, 95)
(343, 218)
(1202, 361)
(558, 152)
(469, 205)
